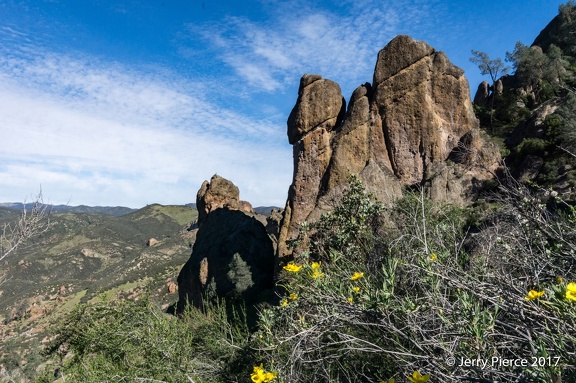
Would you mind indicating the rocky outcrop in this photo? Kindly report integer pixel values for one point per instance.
(217, 193)
(232, 257)
(482, 94)
(398, 131)
(151, 242)
(246, 207)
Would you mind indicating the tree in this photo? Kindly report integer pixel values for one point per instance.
(494, 68)
(532, 66)
(32, 222)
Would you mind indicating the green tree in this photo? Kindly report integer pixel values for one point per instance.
(495, 68)
(536, 69)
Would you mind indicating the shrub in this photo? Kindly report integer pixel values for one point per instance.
(135, 342)
(438, 297)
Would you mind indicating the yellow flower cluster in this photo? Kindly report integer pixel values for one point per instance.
(292, 297)
(260, 375)
(418, 378)
(292, 267)
(571, 291)
(316, 270)
(433, 257)
(533, 294)
(356, 276)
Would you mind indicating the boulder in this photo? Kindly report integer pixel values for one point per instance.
(246, 207)
(151, 242)
(320, 105)
(482, 94)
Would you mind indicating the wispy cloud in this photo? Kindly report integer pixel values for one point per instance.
(102, 130)
(97, 131)
(298, 38)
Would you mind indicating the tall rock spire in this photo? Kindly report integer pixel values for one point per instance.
(401, 130)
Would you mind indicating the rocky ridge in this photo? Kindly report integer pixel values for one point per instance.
(414, 125)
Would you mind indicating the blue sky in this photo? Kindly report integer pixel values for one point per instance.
(135, 102)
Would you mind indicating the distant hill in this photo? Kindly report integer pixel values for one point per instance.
(109, 210)
(265, 210)
(115, 211)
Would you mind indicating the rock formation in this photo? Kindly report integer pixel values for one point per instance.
(482, 94)
(217, 193)
(232, 257)
(398, 131)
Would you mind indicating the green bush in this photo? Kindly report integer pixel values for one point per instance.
(533, 146)
(125, 341)
(438, 296)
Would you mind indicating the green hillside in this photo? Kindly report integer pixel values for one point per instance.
(79, 258)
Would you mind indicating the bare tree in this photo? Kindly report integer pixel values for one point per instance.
(32, 222)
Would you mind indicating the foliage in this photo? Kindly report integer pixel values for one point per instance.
(349, 227)
(492, 67)
(438, 297)
(543, 73)
(565, 123)
(239, 275)
(379, 293)
(125, 341)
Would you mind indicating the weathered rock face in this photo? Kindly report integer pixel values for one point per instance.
(217, 193)
(398, 131)
(320, 105)
(482, 94)
(232, 257)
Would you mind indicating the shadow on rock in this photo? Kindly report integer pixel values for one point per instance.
(232, 259)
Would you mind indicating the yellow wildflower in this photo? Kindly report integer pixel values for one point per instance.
(356, 276)
(316, 265)
(292, 267)
(356, 289)
(284, 302)
(350, 299)
(270, 376)
(261, 376)
(533, 294)
(433, 257)
(571, 291)
(293, 296)
(418, 378)
(316, 274)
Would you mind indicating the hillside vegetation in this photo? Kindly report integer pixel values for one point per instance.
(369, 301)
(79, 258)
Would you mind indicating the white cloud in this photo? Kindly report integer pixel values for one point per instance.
(96, 133)
(299, 38)
(99, 132)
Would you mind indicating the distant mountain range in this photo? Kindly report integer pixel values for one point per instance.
(115, 211)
